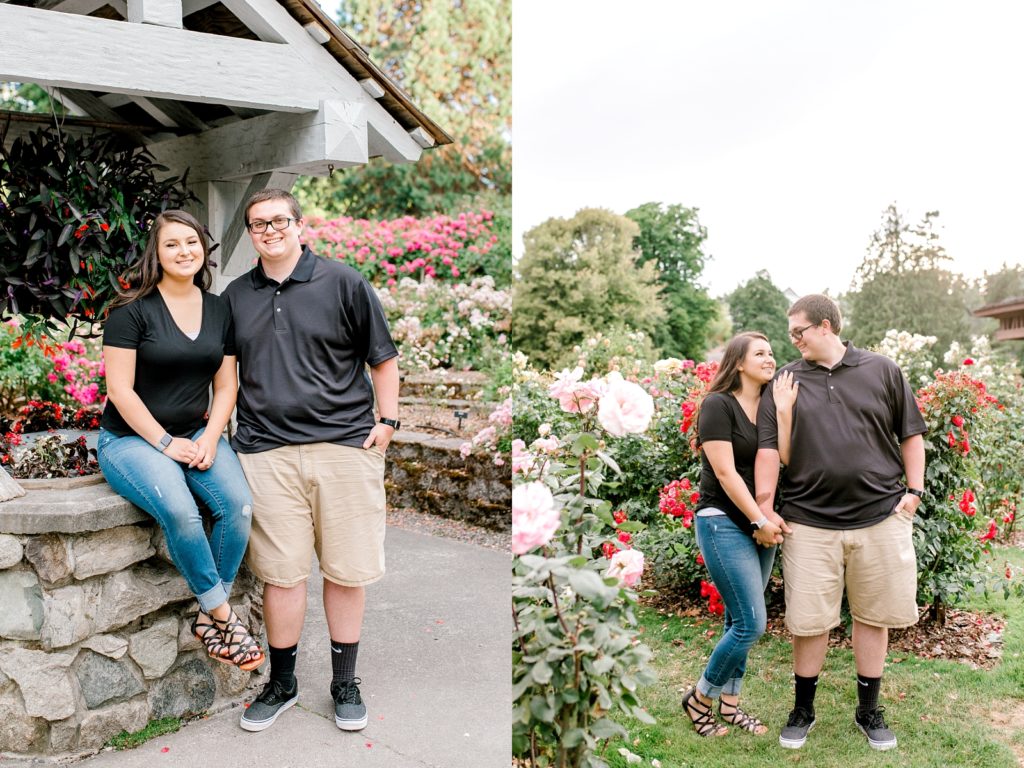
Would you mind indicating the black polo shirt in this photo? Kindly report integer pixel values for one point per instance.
(845, 469)
(303, 347)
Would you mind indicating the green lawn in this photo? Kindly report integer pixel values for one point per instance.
(938, 710)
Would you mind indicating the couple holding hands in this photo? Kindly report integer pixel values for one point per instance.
(844, 424)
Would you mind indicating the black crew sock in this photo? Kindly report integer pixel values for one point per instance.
(867, 694)
(343, 661)
(805, 690)
(282, 665)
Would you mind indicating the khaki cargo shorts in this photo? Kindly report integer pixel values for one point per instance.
(876, 565)
(321, 498)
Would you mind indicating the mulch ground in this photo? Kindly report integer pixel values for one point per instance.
(967, 637)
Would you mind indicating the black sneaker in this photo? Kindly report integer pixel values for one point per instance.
(872, 724)
(797, 727)
(349, 710)
(272, 701)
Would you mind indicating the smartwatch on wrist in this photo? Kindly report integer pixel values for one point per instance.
(165, 442)
(916, 492)
(759, 524)
(393, 423)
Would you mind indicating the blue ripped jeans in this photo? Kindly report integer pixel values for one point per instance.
(168, 491)
(739, 568)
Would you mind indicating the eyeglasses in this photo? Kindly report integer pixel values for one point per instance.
(798, 333)
(278, 223)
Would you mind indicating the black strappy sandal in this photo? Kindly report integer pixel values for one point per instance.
(704, 722)
(741, 719)
(241, 649)
(207, 632)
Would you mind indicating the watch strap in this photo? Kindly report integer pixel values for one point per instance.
(395, 424)
(916, 492)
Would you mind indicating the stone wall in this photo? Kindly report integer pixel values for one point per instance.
(428, 474)
(95, 623)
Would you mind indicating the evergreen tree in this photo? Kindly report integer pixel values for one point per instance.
(903, 283)
(577, 277)
(453, 58)
(671, 237)
(759, 305)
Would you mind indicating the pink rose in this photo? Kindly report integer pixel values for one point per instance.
(521, 460)
(575, 396)
(627, 566)
(546, 444)
(625, 407)
(534, 517)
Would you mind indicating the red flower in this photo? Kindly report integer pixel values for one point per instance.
(700, 559)
(965, 446)
(608, 549)
(968, 361)
(624, 537)
(1009, 572)
(104, 226)
(619, 517)
(952, 439)
(991, 533)
(958, 420)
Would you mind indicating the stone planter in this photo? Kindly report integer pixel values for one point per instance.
(95, 633)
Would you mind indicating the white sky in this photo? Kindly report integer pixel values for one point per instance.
(791, 125)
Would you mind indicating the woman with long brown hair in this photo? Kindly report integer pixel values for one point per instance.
(736, 541)
(164, 343)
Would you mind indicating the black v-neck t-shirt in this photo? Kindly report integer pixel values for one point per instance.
(172, 372)
(722, 418)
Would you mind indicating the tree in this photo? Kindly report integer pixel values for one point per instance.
(759, 305)
(1007, 283)
(579, 276)
(460, 52)
(671, 238)
(903, 284)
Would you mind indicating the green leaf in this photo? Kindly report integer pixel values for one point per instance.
(585, 442)
(587, 584)
(541, 672)
(605, 728)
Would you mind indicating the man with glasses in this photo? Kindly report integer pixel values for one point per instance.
(306, 329)
(854, 481)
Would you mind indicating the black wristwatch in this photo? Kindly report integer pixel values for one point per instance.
(395, 424)
(916, 492)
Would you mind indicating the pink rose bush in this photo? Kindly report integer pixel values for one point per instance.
(574, 600)
(445, 248)
(440, 325)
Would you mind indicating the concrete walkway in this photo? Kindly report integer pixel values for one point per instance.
(436, 669)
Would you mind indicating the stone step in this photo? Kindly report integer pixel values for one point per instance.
(444, 383)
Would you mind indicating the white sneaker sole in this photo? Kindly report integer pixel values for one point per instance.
(796, 743)
(350, 725)
(262, 725)
(881, 746)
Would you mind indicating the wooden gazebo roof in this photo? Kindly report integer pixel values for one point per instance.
(1010, 314)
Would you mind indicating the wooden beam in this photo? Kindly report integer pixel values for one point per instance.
(86, 53)
(236, 232)
(303, 144)
(93, 106)
(164, 13)
(174, 111)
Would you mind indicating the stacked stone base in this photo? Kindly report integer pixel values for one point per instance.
(428, 474)
(95, 625)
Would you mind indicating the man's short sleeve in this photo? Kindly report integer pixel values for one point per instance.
(767, 423)
(907, 418)
(124, 327)
(379, 344)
